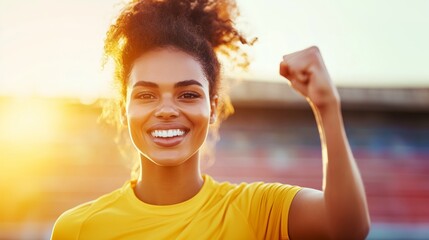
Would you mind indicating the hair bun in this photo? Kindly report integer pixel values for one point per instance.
(211, 19)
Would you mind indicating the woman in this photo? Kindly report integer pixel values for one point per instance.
(168, 75)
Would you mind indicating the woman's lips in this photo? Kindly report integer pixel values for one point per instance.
(168, 141)
(167, 134)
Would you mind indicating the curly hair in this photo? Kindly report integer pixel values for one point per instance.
(202, 28)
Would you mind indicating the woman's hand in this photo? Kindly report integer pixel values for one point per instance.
(308, 75)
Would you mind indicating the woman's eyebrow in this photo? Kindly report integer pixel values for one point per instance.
(176, 85)
(187, 83)
(145, 84)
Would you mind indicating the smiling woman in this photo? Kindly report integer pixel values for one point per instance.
(172, 104)
(168, 77)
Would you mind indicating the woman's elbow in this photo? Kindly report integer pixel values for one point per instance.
(358, 230)
(364, 229)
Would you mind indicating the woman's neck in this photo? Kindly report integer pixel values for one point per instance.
(159, 185)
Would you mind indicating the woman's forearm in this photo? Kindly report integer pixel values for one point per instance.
(343, 189)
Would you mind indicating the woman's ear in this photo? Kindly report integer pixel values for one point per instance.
(213, 109)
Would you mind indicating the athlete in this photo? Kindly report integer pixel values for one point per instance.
(168, 75)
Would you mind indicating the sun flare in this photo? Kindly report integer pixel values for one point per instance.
(28, 120)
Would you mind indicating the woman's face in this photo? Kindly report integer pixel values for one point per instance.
(168, 107)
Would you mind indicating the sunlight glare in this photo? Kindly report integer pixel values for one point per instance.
(28, 120)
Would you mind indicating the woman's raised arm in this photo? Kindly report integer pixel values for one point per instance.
(340, 210)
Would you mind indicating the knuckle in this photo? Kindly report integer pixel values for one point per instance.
(314, 49)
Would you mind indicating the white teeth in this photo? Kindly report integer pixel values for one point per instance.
(167, 133)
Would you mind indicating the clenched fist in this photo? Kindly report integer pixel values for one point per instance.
(308, 75)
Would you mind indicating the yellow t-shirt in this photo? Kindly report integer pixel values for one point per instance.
(219, 211)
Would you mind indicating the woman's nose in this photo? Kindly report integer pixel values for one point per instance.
(166, 111)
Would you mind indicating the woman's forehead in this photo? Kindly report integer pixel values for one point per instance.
(167, 66)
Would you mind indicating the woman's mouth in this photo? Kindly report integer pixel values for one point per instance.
(168, 137)
(167, 133)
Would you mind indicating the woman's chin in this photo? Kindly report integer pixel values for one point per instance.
(168, 160)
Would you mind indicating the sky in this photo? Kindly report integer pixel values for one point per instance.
(54, 47)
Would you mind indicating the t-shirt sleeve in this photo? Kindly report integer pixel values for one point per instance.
(268, 208)
(68, 225)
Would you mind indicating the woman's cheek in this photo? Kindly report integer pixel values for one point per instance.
(137, 116)
(198, 113)
(200, 119)
(138, 112)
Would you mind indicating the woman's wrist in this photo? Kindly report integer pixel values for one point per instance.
(330, 107)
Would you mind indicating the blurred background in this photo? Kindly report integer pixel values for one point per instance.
(55, 153)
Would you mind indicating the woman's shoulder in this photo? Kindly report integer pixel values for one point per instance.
(259, 189)
(70, 222)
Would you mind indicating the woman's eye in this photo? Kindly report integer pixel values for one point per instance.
(189, 95)
(145, 96)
